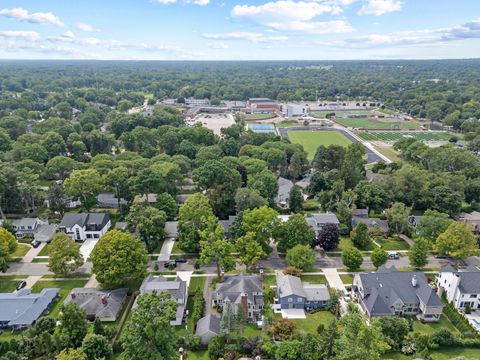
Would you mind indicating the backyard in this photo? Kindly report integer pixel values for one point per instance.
(393, 136)
(311, 140)
(310, 324)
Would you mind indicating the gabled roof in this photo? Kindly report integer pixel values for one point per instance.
(171, 228)
(235, 285)
(97, 302)
(227, 223)
(109, 198)
(290, 285)
(469, 279)
(91, 220)
(209, 323)
(45, 232)
(160, 284)
(284, 187)
(316, 292)
(23, 307)
(26, 222)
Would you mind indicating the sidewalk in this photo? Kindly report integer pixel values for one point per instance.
(32, 253)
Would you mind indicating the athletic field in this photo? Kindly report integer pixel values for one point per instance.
(311, 140)
(380, 123)
(392, 136)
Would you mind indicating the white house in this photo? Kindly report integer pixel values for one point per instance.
(81, 227)
(462, 288)
(26, 226)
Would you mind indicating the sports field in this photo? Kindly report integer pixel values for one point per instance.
(392, 136)
(249, 117)
(344, 113)
(380, 123)
(311, 140)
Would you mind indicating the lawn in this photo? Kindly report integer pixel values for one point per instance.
(429, 329)
(389, 153)
(65, 287)
(259, 116)
(343, 113)
(314, 279)
(269, 280)
(198, 355)
(347, 279)
(197, 282)
(8, 285)
(45, 251)
(311, 140)
(380, 123)
(392, 136)
(310, 324)
(21, 250)
(346, 243)
(393, 244)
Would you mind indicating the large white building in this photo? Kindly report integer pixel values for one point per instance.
(461, 288)
(81, 227)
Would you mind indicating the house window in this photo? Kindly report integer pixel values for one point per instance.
(89, 236)
(473, 296)
(290, 299)
(96, 236)
(299, 300)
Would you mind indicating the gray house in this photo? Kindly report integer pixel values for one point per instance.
(109, 201)
(105, 305)
(21, 309)
(389, 292)
(26, 226)
(361, 216)
(207, 328)
(317, 221)
(241, 291)
(293, 294)
(177, 289)
(284, 187)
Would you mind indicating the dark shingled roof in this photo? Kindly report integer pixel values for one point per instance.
(469, 279)
(92, 221)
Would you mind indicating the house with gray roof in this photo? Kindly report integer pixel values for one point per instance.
(472, 219)
(291, 293)
(171, 229)
(207, 328)
(21, 309)
(109, 201)
(243, 292)
(227, 223)
(462, 288)
(361, 216)
(45, 232)
(104, 305)
(318, 221)
(181, 198)
(388, 292)
(178, 289)
(284, 187)
(81, 227)
(26, 226)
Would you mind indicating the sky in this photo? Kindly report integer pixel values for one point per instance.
(239, 29)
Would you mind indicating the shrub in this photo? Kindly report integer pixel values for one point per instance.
(198, 306)
(459, 321)
(291, 270)
(282, 329)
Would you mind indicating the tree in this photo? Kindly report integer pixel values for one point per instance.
(293, 232)
(432, 224)
(457, 241)
(73, 325)
(64, 255)
(302, 257)
(328, 158)
(193, 218)
(265, 182)
(328, 237)
(292, 350)
(214, 248)
(247, 199)
(295, 199)
(395, 329)
(360, 236)
(262, 222)
(352, 258)
(8, 245)
(97, 347)
(148, 334)
(358, 340)
(60, 166)
(378, 257)
(282, 329)
(150, 223)
(353, 167)
(117, 257)
(397, 217)
(167, 204)
(57, 200)
(418, 253)
(71, 354)
(117, 180)
(249, 248)
(53, 144)
(216, 347)
(85, 185)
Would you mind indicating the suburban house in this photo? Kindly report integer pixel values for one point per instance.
(318, 221)
(21, 309)
(109, 201)
(104, 305)
(150, 199)
(180, 199)
(388, 292)
(45, 232)
(26, 227)
(462, 288)
(291, 293)
(227, 223)
(361, 216)
(81, 227)
(177, 289)
(241, 291)
(284, 187)
(472, 219)
(171, 229)
(207, 328)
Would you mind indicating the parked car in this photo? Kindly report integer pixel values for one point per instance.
(22, 284)
(169, 264)
(35, 243)
(441, 256)
(393, 255)
(180, 260)
(346, 296)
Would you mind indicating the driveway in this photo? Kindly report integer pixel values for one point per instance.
(334, 279)
(166, 250)
(87, 247)
(32, 253)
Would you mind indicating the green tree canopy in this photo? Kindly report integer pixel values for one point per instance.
(64, 255)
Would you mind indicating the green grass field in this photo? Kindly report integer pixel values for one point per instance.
(311, 140)
(249, 117)
(393, 244)
(21, 250)
(7, 286)
(392, 136)
(197, 282)
(310, 324)
(343, 113)
(380, 123)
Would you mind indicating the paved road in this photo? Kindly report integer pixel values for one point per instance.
(372, 157)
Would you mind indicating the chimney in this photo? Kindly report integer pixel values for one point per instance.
(244, 303)
(414, 281)
(261, 274)
(104, 300)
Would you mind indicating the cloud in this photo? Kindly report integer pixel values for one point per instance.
(86, 27)
(166, 2)
(244, 35)
(20, 35)
(195, 2)
(380, 7)
(218, 45)
(313, 27)
(36, 18)
(468, 30)
(283, 10)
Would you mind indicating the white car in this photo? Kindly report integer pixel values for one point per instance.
(346, 296)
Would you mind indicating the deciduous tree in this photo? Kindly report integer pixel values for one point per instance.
(86, 185)
(150, 223)
(293, 232)
(73, 325)
(302, 257)
(457, 241)
(295, 199)
(64, 255)
(8, 245)
(378, 257)
(360, 236)
(352, 258)
(418, 254)
(250, 251)
(328, 237)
